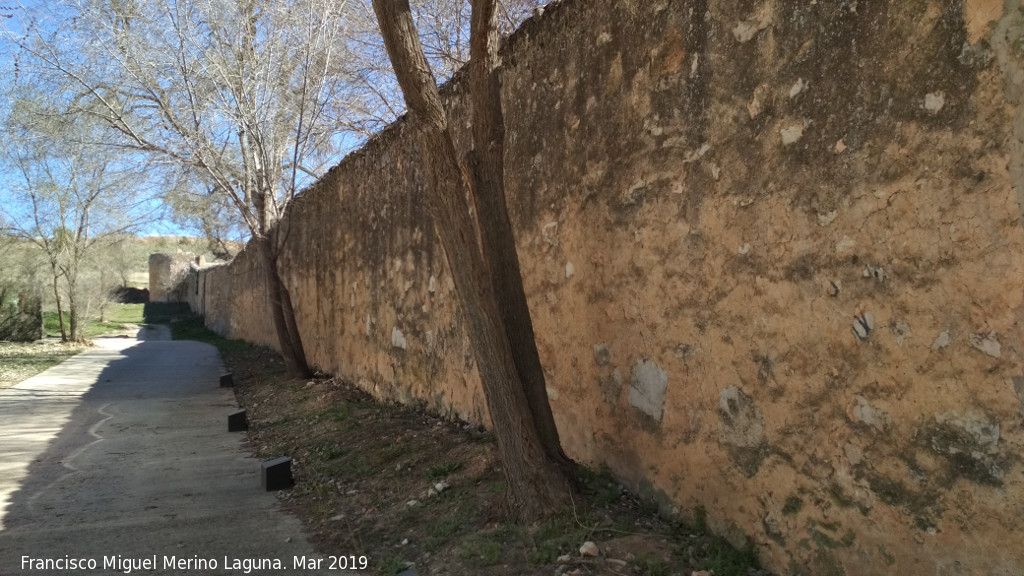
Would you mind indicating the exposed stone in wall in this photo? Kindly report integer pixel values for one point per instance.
(166, 276)
(774, 257)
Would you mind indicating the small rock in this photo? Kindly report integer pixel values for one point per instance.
(564, 558)
(902, 331)
(412, 503)
(797, 88)
(397, 338)
(827, 218)
(791, 134)
(288, 539)
(589, 549)
(934, 102)
(441, 486)
(550, 233)
(703, 573)
(744, 31)
(840, 147)
(863, 325)
(845, 244)
(405, 541)
(987, 344)
(942, 342)
(617, 562)
(876, 272)
(337, 517)
(867, 414)
(743, 250)
(854, 454)
(697, 154)
(569, 270)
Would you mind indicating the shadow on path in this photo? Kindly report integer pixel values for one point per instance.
(124, 452)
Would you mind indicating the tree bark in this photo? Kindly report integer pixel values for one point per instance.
(536, 487)
(487, 169)
(283, 314)
(60, 308)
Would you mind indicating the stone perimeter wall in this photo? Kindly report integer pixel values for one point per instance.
(774, 257)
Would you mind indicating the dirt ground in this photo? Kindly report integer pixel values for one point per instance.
(410, 491)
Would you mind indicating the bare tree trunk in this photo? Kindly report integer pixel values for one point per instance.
(60, 309)
(535, 486)
(283, 314)
(73, 314)
(486, 168)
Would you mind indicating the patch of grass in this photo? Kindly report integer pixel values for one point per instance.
(192, 328)
(652, 566)
(338, 412)
(560, 535)
(125, 313)
(600, 486)
(352, 495)
(793, 505)
(117, 318)
(166, 312)
(332, 452)
(700, 520)
(724, 560)
(391, 565)
(21, 360)
(480, 552)
(443, 470)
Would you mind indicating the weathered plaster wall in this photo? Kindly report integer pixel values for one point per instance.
(774, 258)
(166, 273)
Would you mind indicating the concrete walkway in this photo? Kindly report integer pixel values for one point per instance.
(118, 461)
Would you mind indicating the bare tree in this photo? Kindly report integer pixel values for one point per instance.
(444, 30)
(243, 94)
(536, 470)
(68, 197)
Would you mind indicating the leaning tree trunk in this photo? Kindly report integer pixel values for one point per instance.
(282, 313)
(486, 166)
(536, 487)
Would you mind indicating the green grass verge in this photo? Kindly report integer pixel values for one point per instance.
(116, 317)
(191, 327)
(165, 312)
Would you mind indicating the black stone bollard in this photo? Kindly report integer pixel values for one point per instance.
(226, 381)
(237, 421)
(277, 474)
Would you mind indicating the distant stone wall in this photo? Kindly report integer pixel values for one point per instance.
(21, 314)
(166, 274)
(774, 257)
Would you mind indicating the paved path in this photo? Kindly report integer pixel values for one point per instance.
(122, 454)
